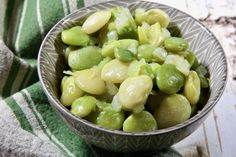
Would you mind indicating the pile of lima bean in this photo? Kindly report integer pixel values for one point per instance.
(128, 73)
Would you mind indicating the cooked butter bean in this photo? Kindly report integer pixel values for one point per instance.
(140, 122)
(152, 16)
(174, 109)
(169, 79)
(83, 106)
(96, 21)
(175, 44)
(115, 71)
(89, 80)
(84, 58)
(75, 36)
(70, 91)
(192, 88)
(110, 118)
(142, 35)
(134, 91)
(154, 34)
(67, 52)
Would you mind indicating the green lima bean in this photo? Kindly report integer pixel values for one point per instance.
(140, 122)
(169, 79)
(83, 106)
(84, 58)
(175, 44)
(70, 91)
(172, 110)
(75, 36)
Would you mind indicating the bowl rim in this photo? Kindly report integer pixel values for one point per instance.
(180, 126)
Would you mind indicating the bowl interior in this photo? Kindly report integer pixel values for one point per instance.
(51, 61)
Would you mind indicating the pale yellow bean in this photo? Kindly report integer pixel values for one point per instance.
(70, 91)
(173, 109)
(157, 15)
(152, 16)
(142, 36)
(154, 34)
(192, 88)
(63, 82)
(89, 80)
(96, 21)
(134, 91)
(115, 71)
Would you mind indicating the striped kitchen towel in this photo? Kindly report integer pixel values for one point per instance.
(29, 126)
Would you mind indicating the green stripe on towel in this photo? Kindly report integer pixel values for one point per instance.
(29, 38)
(31, 75)
(19, 114)
(23, 84)
(50, 16)
(11, 77)
(80, 3)
(68, 6)
(8, 17)
(12, 23)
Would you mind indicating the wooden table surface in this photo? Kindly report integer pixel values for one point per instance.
(216, 137)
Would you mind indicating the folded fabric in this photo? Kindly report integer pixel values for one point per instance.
(29, 125)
